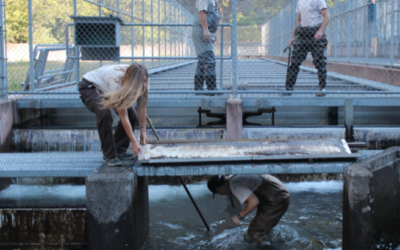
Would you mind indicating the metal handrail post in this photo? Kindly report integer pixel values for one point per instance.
(170, 34)
(31, 59)
(152, 34)
(143, 42)
(234, 47)
(336, 29)
(367, 38)
(159, 31)
(348, 33)
(4, 87)
(392, 37)
(100, 14)
(222, 57)
(119, 8)
(165, 30)
(118, 14)
(133, 30)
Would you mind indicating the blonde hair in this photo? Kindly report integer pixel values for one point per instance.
(133, 87)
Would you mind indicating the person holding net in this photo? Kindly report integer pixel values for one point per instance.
(205, 26)
(308, 36)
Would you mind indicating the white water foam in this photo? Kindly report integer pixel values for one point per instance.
(166, 192)
(321, 187)
(32, 192)
(156, 192)
(169, 193)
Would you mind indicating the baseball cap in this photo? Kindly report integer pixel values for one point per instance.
(215, 182)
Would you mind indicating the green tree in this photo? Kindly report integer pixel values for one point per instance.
(17, 21)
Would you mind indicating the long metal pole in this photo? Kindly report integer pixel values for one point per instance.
(234, 47)
(194, 203)
(31, 57)
(2, 55)
(180, 178)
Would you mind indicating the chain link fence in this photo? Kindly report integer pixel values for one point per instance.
(361, 40)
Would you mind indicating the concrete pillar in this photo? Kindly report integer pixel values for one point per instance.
(371, 202)
(348, 118)
(234, 114)
(357, 215)
(118, 209)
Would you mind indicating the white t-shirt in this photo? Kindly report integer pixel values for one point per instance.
(203, 4)
(310, 11)
(106, 78)
(242, 186)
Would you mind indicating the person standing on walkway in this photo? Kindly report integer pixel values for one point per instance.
(205, 26)
(308, 36)
(117, 87)
(264, 192)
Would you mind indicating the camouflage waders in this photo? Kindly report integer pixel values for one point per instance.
(304, 42)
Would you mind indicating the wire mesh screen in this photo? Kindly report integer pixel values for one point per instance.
(361, 39)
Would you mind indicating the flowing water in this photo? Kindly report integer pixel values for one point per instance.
(313, 220)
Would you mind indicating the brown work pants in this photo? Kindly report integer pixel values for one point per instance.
(111, 143)
(269, 212)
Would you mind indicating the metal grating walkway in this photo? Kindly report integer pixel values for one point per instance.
(81, 164)
(254, 75)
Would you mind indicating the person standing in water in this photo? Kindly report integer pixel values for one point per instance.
(205, 26)
(264, 192)
(117, 87)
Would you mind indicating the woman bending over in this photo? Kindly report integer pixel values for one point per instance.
(117, 87)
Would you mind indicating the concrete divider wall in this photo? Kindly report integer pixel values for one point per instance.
(371, 202)
(118, 209)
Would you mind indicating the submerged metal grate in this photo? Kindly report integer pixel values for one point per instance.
(62, 164)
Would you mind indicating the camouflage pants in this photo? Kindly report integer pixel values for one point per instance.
(268, 213)
(304, 43)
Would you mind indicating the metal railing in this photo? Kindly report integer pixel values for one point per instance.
(3, 70)
(158, 33)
